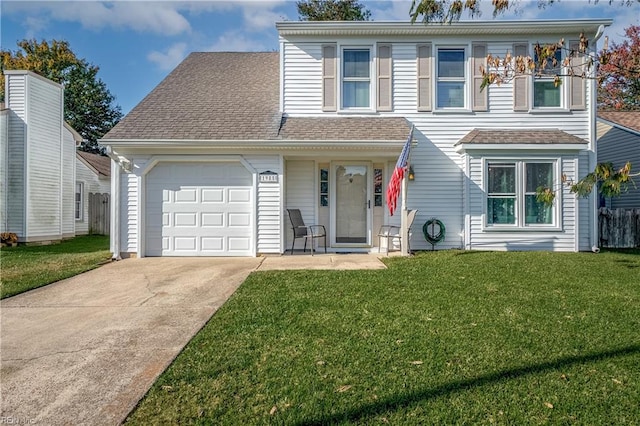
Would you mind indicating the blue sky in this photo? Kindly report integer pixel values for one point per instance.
(137, 43)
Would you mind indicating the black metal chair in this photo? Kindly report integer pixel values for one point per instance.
(391, 232)
(300, 230)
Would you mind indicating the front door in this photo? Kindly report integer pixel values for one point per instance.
(352, 205)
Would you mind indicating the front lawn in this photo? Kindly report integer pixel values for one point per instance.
(28, 267)
(442, 338)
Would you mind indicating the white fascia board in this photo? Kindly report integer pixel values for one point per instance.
(253, 144)
(402, 28)
(34, 75)
(465, 147)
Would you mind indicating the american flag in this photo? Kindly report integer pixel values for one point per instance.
(395, 183)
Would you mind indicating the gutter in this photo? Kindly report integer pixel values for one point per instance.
(254, 145)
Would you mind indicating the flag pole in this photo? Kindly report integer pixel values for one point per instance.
(404, 228)
(404, 231)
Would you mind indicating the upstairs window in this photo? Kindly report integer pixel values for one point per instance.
(545, 92)
(450, 90)
(356, 78)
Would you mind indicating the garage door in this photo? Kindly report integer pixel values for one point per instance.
(199, 209)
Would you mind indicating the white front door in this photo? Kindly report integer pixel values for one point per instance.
(351, 218)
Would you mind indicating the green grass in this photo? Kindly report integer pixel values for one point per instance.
(441, 338)
(28, 267)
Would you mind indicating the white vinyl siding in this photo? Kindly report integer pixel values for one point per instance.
(15, 101)
(38, 164)
(68, 184)
(302, 87)
(129, 202)
(44, 162)
(4, 145)
(269, 204)
(300, 175)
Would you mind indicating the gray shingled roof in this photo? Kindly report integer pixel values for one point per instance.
(210, 96)
(519, 136)
(628, 119)
(99, 162)
(345, 128)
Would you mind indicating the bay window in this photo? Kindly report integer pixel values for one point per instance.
(511, 193)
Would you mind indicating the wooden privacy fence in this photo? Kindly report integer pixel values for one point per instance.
(99, 214)
(619, 228)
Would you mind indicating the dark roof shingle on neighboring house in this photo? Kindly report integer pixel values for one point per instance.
(99, 162)
(519, 136)
(210, 96)
(345, 128)
(628, 119)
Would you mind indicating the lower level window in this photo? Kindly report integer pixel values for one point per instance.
(511, 193)
(79, 201)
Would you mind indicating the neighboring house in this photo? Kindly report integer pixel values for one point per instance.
(37, 161)
(618, 143)
(93, 176)
(210, 160)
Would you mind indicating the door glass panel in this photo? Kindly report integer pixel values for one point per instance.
(351, 204)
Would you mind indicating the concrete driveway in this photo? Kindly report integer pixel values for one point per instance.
(86, 349)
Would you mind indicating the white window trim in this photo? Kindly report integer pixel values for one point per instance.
(467, 79)
(372, 78)
(520, 225)
(78, 212)
(564, 89)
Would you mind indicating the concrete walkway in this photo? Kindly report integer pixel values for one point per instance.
(86, 349)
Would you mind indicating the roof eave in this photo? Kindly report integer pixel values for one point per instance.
(618, 125)
(368, 28)
(465, 147)
(289, 144)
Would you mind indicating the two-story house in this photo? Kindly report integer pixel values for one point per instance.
(210, 160)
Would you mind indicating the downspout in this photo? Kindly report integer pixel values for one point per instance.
(593, 159)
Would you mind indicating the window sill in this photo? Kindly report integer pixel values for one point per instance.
(509, 228)
(549, 111)
(457, 111)
(357, 112)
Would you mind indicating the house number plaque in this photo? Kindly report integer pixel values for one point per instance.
(268, 177)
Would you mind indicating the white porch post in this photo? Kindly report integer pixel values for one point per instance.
(404, 231)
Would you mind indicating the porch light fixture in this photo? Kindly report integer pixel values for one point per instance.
(412, 175)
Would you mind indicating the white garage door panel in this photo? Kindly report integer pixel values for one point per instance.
(203, 209)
